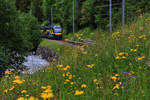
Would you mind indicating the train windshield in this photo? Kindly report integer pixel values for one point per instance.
(57, 29)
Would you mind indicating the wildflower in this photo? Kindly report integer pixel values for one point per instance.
(70, 76)
(17, 81)
(83, 85)
(8, 72)
(132, 72)
(115, 34)
(12, 88)
(71, 83)
(120, 83)
(82, 49)
(63, 75)
(67, 80)
(117, 57)
(23, 91)
(77, 92)
(32, 98)
(137, 45)
(123, 57)
(133, 50)
(96, 55)
(95, 80)
(113, 77)
(68, 66)
(140, 58)
(59, 66)
(142, 36)
(43, 87)
(90, 66)
(116, 74)
(17, 77)
(46, 95)
(21, 98)
(65, 68)
(5, 91)
(121, 53)
(116, 86)
(26, 95)
(84, 53)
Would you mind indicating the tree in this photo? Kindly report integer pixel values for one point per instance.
(16, 39)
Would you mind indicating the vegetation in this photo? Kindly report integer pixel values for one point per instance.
(19, 33)
(115, 68)
(88, 13)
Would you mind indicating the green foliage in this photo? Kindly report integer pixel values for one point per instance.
(23, 5)
(33, 29)
(19, 33)
(36, 9)
(93, 13)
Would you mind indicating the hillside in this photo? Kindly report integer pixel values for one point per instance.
(115, 68)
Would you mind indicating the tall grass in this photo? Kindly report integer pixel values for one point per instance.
(115, 68)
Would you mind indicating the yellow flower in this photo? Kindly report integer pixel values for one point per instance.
(116, 86)
(67, 80)
(5, 91)
(46, 95)
(21, 98)
(133, 50)
(32, 98)
(26, 95)
(90, 66)
(8, 72)
(113, 77)
(47, 90)
(137, 45)
(142, 36)
(96, 55)
(121, 53)
(84, 53)
(23, 91)
(65, 68)
(140, 58)
(63, 75)
(77, 92)
(68, 66)
(71, 83)
(17, 81)
(117, 57)
(70, 77)
(59, 66)
(43, 87)
(123, 57)
(95, 80)
(83, 85)
(116, 74)
(12, 88)
(17, 77)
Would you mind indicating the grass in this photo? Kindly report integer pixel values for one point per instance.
(115, 68)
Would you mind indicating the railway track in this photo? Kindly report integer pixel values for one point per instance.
(68, 42)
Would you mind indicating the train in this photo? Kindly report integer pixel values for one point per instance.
(52, 32)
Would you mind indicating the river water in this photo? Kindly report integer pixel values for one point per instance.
(34, 63)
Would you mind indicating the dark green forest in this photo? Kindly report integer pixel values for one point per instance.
(20, 29)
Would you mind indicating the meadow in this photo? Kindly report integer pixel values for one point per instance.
(116, 67)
